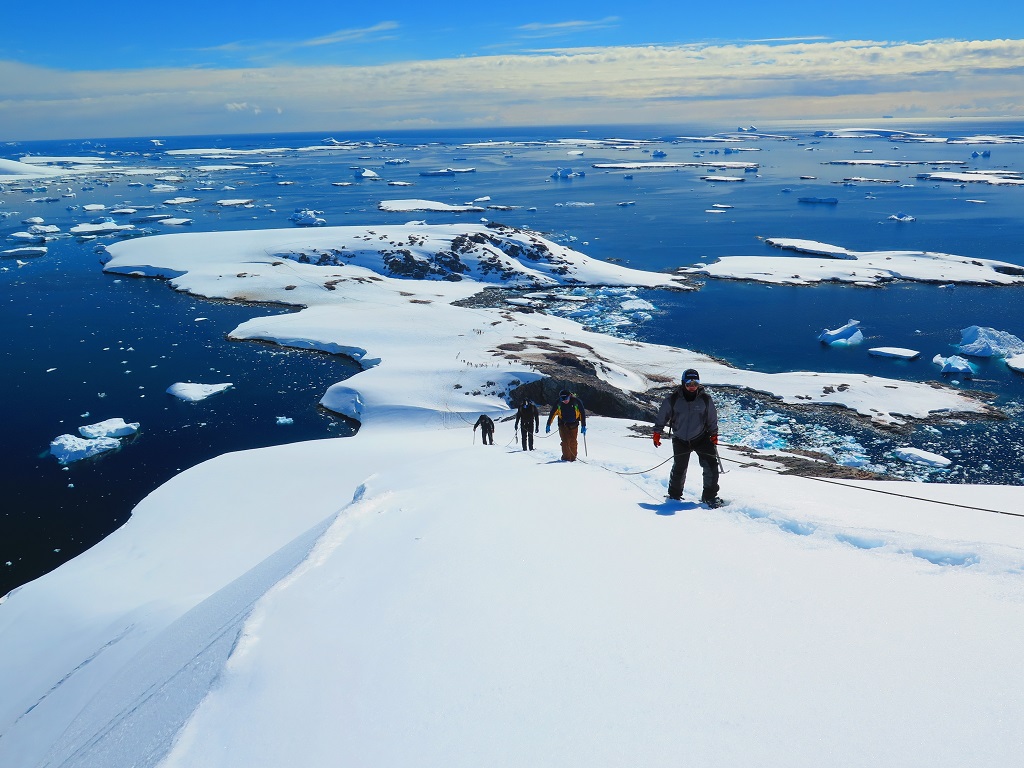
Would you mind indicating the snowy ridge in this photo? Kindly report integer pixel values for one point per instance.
(393, 610)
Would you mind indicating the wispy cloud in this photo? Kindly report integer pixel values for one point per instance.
(650, 84)
(366, 34)
(266, 50)
(555, 29)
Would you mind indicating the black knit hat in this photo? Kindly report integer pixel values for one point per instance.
(691, 374)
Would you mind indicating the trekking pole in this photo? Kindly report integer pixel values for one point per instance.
(585, 445)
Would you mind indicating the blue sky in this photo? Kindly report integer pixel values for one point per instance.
(75, 70)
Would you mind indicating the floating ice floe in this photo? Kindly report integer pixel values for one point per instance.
(237, 202)
(285, 420)
(173, 221)
(954, 365)
(69, 448)
(44, 229)
(190, 392)
(21, 253)
(404, 206)
(988, 342)
(918, 456)
(305, 217)
(110, 428)
(902, 217)
(181, 200)
(1015, 363)
(722, 178)
(994, 178)
(447, 171)
(367, 174)
(899, 352)
(104, 227)
(846, 335)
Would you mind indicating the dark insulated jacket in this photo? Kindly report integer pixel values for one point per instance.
(689, 419)
(570, 414)
(485, 424)
(528, 417)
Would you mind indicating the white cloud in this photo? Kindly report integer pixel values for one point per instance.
(689, 83)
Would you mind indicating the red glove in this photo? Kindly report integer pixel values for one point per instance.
(714, 439)
(657, 439)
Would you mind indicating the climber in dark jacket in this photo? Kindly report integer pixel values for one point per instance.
(690, 412)
(527, 422)
(486, 429)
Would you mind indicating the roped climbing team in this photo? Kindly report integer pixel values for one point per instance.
(688, 411)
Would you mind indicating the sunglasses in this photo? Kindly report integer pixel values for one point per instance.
(694, 382)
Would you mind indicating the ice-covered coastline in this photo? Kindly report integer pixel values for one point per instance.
(386, 296)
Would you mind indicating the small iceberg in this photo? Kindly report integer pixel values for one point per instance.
(192, 393)
(70, 448)
(988, 342)
(903, 217)
(109, 428)
(954, 366)
(304, 217)
(567, 173)
(1015, 363)
(898, 352)
(917, 456)
(846, 335)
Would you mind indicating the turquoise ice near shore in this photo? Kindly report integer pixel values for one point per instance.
(748, 275)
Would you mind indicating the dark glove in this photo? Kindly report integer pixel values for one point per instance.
(657, 439)
(714, 439)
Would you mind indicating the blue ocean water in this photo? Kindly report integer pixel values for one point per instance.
(84, 346)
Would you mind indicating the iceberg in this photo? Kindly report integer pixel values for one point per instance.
(192, 393)
(307, 218)
(1015, 363)
(70, 448)
(567, 173)
(900, 352)
(988, 342)
(954, 365)
(846, 335)
(917, 456)
(109, 428)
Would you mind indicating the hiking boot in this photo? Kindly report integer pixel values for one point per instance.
(714, 502)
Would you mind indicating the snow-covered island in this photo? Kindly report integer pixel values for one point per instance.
(409, 597)
(868, 268)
